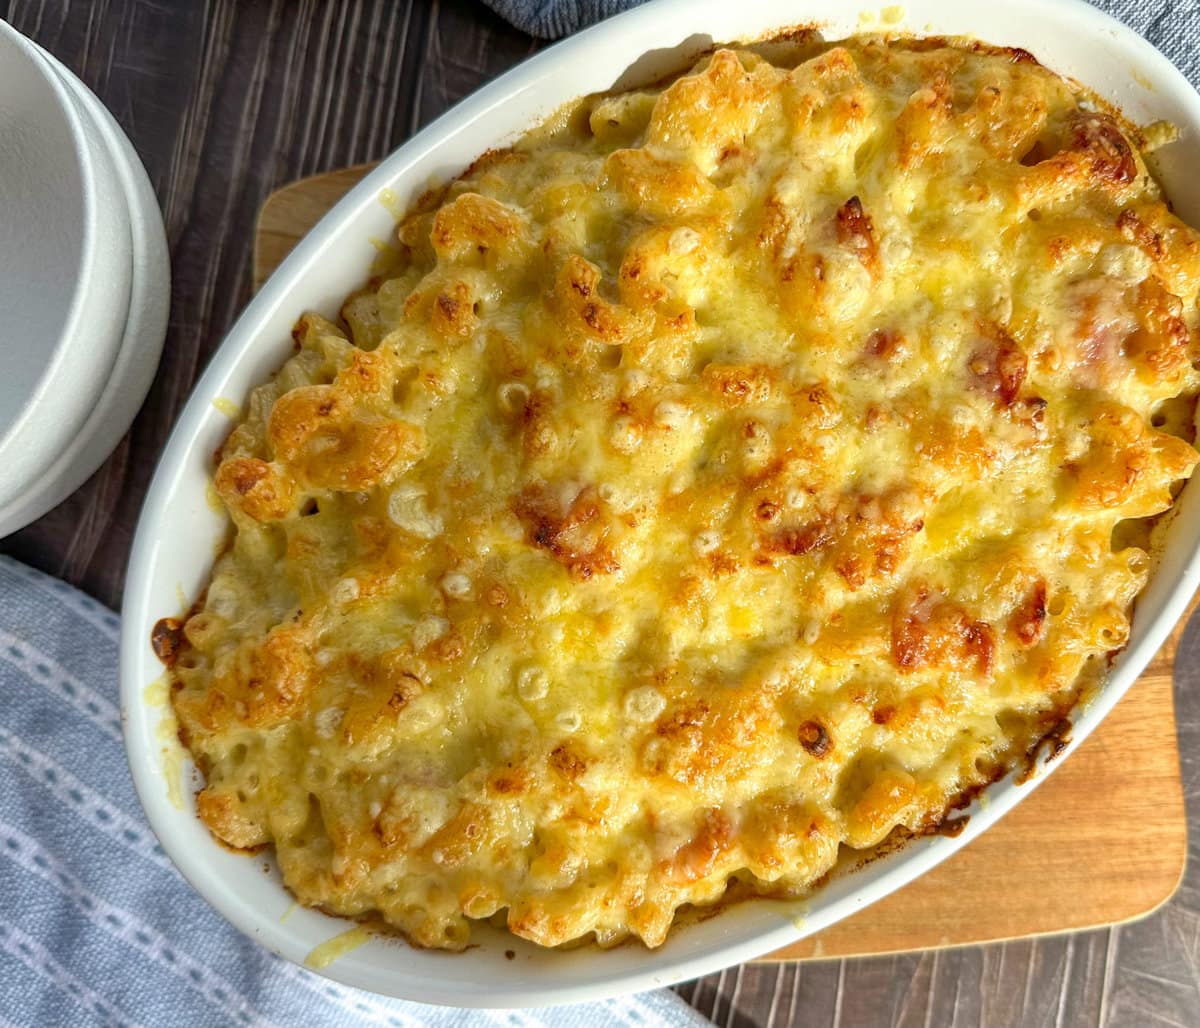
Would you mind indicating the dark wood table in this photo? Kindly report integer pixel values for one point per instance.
(229, 99)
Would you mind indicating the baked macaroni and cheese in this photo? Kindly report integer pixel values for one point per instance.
(731, 476)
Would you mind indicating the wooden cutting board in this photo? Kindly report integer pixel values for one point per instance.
(1103, 840)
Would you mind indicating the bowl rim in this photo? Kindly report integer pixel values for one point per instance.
(659, 968)
(79, 362)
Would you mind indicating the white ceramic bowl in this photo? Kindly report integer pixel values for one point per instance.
(1067, 35)
(112, 407)
(65, 266)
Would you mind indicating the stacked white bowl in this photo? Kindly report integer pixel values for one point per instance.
(84, 282)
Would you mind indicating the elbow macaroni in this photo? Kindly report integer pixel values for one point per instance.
(729, 475)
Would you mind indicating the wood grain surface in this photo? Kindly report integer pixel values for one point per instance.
(228, 99)
(1063, 860)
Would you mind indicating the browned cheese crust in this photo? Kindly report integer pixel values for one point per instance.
(727, 477)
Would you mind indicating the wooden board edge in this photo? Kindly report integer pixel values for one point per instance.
(267, 223)
(811, 949)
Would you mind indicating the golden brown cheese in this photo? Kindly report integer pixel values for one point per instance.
(724, 478)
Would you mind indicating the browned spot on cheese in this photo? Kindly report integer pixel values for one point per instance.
(710, 111)
(568, 760)
(738, 384)
(856, 232)
(453, 843)
(475, 226)
(225, 816)
(888, 344)
(1161, 344)
(509, 781)
(1018, 55)
(1028, 621)
(315, 428)
(166, 639)
(816, 535)
(576, 537)
(866, 536)
(453, 311)
(582, 310)
(1133, 228)
(998, 366)
(696, 858)
(266, 682)
(1101, 138)
(815, 738)
(921, 122)
(931, 632)
(658, 185)
(255, 487)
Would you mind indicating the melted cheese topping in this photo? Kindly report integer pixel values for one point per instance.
(724, 479)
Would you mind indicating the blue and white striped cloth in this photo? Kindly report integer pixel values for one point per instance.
(96, 926)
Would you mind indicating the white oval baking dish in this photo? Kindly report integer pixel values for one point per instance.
(173, 549)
